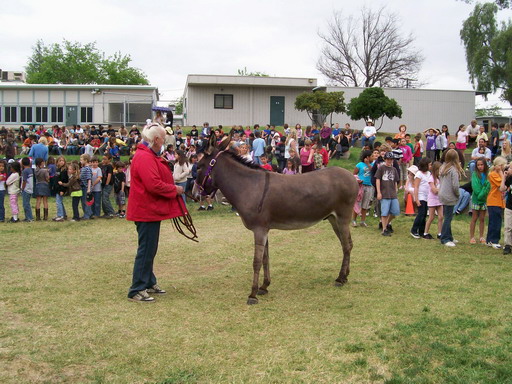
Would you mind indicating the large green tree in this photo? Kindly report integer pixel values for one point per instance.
(320, 104)
(373, 104)
(488, 50)
(76, 63)
(500, 3)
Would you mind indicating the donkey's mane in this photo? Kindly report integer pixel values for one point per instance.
(242, 160)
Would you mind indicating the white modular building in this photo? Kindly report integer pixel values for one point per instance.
(421, 108)
(68, 104)
(245, 100)
(249, 100)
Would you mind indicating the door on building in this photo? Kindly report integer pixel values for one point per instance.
(276, 110)
(71, 116)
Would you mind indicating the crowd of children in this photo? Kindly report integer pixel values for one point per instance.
(431, 182)
(429, 173)
(84, 181)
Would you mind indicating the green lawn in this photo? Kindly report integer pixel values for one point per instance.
(413, 311)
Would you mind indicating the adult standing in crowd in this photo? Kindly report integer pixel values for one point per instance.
(480, 151)
(39, 150)
(153, 197)
(473, 131)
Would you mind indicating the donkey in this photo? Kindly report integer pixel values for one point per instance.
(267, 200)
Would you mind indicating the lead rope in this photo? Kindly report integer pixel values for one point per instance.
(185, 220)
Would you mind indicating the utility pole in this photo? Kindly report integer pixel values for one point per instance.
(408, 81)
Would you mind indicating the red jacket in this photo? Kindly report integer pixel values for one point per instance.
(152, 190)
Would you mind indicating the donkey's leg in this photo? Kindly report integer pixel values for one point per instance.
(342, 229)
(266, 269)
(260, 240)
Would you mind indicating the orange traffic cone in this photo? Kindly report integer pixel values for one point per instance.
(409, 206)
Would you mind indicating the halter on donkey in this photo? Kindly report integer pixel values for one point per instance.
(266, 200)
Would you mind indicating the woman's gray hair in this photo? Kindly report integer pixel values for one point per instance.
(150, 131)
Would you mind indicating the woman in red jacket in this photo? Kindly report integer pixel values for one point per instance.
(153, 198)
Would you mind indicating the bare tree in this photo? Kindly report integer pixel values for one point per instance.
(368, 51)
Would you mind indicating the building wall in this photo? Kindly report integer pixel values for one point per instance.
(422, 109)
(251, 105)
(138, 102)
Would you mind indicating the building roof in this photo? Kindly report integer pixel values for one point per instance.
(251, 81)
(331, 88)
(76, 86)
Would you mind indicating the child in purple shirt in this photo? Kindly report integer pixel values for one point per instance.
(430, 135)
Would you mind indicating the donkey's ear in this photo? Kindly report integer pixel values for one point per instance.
(224, 143)
(212, 141)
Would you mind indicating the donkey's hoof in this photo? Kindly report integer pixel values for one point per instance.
(262, 291)
(338, 283)
(252, 301)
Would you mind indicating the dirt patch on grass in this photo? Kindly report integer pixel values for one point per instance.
(22, 369)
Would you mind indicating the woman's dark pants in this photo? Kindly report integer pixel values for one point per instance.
(143, 276)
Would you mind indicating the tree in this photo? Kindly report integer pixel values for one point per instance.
(368, 51)
(320, 104)
(74, 63)
(179, 106)
(488, 50)
(244, 72)
(503, 4)
(117, 70)
(493, 110)
(373, 104)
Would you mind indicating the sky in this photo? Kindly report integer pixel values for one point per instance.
(169, 39)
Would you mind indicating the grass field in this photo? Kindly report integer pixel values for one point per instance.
(413, 311)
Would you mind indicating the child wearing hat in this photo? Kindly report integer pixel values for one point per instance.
(387, 179)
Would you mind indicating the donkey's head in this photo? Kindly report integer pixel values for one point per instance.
(205, 176)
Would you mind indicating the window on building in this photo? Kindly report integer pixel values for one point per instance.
(223, 102)
(57, 114)
(11, 115)
(135, 113)
(86, 115)
(41, 114)
(26, 114)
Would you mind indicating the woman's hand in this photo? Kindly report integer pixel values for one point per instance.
(179, 190)
(60, 182)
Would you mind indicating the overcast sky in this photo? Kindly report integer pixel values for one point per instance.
(169, 39)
